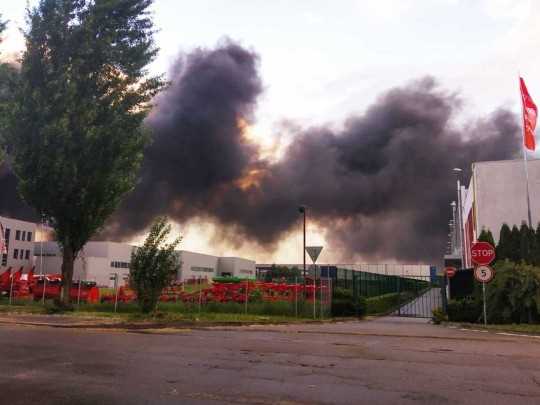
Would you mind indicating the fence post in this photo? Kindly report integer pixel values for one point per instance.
(444, 298)
(321, 294)
(116, 293)
(247, 297)
(314, 294)
(44, 287)
(399, 295)
(79, 294)
(200, 294)
(296, 297)
(11, 289)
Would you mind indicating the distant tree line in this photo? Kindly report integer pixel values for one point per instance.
(278, 272)
(518, 245)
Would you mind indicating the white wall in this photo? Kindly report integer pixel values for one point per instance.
(500, 194)
(95, 262)
(192, 265)
(24, 248)
(236, 267)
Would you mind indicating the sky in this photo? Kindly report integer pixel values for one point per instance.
(321, 61)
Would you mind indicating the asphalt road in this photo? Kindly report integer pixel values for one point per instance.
(386, 361)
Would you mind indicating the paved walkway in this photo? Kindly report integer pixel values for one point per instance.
(384, 361)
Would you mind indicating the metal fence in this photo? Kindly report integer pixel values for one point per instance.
(297, 298)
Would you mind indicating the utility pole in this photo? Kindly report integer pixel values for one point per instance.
(302, 210)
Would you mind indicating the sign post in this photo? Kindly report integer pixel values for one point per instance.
(314, 252)
(482, 254)
(114, 276)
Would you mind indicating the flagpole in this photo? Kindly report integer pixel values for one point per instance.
(525, 166)
(527, 186)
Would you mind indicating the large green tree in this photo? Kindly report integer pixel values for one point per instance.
(7, 81)
(505, 243)
(486, 236)
(75, 132)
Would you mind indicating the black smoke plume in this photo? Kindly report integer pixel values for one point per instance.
(380, 186)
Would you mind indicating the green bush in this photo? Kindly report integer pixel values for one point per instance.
(514, 294)
(439, 316)
(342, 293)
(383, 304)
(343, 303)
(466, 309)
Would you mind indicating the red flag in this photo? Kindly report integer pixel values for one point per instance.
(530, 112)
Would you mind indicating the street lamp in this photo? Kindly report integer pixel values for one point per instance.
(302, 210)
(457, 171)
(452, 224)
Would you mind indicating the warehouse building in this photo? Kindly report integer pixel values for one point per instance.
(99, 261)
(496, 195)
(16, 243)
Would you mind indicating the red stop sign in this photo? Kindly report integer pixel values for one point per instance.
(482, 253)
(450, 272)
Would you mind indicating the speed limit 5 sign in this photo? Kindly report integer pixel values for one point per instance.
(484, 274)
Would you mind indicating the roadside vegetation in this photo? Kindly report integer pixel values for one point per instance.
(164, 313)
(72, 118)
(513, 297)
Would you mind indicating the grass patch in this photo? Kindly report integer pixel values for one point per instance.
(262, 312)
(531, 329)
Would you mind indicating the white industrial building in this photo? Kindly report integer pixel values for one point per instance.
(96, 262)
(19, 238)
(497, 195)
(99, 260)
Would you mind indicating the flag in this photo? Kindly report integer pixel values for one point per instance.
(530, 112)
(3, 245)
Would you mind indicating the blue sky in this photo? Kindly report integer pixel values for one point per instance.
(324, 60)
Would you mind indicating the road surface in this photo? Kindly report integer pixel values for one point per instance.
(385, 361)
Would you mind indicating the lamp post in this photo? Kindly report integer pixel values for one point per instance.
(302, 210)
(457, 171)
(452, 224)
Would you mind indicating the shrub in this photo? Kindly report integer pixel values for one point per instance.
(466, 309)
(514, 294)
(383, 304)
(439, 316)
(154, 265)
(343, 303)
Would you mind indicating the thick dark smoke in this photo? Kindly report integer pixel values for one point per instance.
(10, 203)
(198, 145)
(380, 186)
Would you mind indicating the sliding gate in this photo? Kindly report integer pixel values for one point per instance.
(420, 297)
(409, 294)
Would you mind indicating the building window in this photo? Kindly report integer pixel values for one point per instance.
(23, 235)
(120, 265)
(7, 232)
(4, 259)
(202, 269)
(29, 236)
(15, 253)
(17, 235)
(27, 255)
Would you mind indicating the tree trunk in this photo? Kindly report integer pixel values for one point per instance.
(67, 274)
